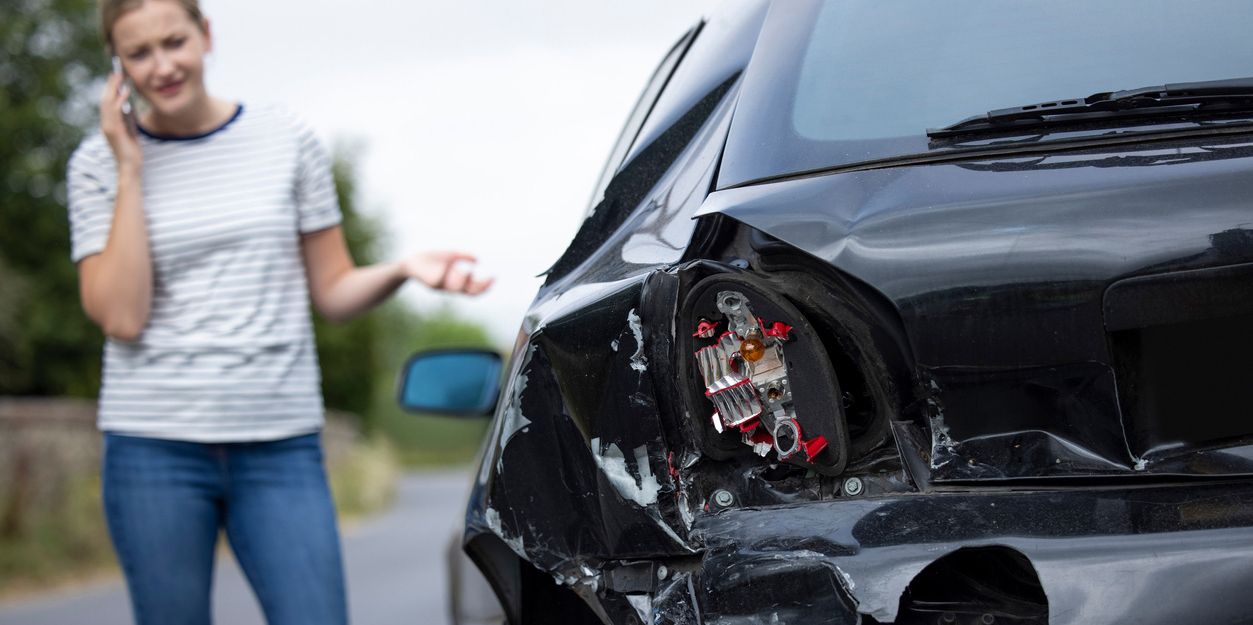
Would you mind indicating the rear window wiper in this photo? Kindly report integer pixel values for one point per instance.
(1180, 99)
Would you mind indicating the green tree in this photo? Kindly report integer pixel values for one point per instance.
(347, 351)
(360, 359)
(50, 61)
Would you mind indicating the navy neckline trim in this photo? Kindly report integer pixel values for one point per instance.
(239, 110)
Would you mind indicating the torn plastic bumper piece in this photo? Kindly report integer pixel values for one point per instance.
(800, 590)
(1147, 555)
(762, 589)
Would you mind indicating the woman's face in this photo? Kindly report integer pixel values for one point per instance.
(162, 50)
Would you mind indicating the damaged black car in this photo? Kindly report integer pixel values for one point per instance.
(893, 312)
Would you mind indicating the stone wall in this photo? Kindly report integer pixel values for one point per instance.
(50, 445)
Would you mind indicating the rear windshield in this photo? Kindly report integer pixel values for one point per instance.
(843, 81)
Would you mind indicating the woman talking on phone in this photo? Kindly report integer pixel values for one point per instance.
(201, 233)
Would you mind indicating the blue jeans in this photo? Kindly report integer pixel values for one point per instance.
(165, 502)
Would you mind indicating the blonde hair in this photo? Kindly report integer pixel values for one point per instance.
(113, 10)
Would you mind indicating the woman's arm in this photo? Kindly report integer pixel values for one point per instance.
(340, 290)
(116, 285)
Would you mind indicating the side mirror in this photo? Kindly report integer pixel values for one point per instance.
(452, 382)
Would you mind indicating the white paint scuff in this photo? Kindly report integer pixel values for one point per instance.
(941, 440)
(581, 575)
(493, 523)
(512, 419)
(686, 512)
(849, 585)
(643, 605)
(613, 464)
(638, 362)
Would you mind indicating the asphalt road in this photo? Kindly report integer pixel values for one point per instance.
(395, 568)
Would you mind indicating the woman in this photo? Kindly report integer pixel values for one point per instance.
(200, 236)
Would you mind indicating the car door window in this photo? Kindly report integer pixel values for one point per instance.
(640, 113)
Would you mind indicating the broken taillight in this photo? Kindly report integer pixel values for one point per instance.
(756, 357)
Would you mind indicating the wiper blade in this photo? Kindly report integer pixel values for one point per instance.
(1179, 99)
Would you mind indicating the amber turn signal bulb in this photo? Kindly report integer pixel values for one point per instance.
(752, 349)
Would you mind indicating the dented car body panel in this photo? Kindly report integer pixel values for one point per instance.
(1013, 275)
(1006, 385)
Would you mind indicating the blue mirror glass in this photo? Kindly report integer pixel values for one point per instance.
(456, 382)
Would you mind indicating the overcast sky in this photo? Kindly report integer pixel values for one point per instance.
(483, 124)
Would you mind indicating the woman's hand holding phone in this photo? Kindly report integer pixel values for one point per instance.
(117, 120)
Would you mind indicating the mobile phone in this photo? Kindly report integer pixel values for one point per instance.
(128, 107)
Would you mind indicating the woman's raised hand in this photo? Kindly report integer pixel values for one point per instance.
(116, 129)
(445, 270)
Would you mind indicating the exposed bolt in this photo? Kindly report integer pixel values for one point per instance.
(723, 498)
(852, 486)
(740, 263)
(987, 619)
(662, 571)
(948, 617)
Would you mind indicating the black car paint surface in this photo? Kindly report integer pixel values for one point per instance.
(1043, 369)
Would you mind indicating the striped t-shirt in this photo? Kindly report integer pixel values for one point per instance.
(228, 352)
